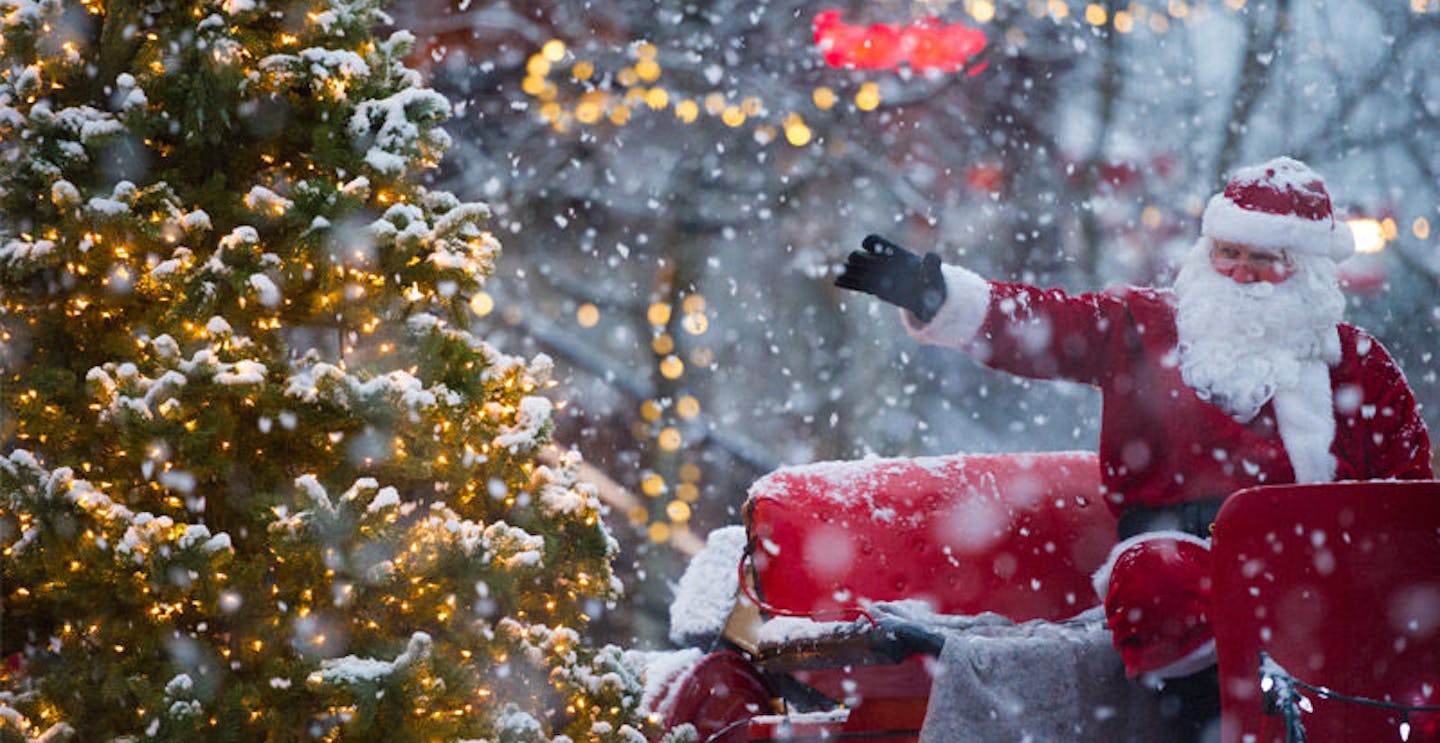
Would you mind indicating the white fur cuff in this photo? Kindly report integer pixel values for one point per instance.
(967, 299)
(1101, 578)
(1194, 661)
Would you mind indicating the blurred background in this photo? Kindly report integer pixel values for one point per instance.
(676, 182)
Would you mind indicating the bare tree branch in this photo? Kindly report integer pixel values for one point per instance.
(638, 388)
(1261, 45)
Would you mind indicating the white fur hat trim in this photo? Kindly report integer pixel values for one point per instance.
(1228, 221)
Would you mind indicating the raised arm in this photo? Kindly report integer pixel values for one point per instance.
(1018, 328)
(1032, 332)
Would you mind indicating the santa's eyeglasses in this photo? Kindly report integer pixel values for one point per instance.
(1247, 265)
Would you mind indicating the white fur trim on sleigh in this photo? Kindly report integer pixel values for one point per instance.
(1101, 579)
(967, 299)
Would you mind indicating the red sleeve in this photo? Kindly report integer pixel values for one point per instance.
(1396, 444)
(1048, 334)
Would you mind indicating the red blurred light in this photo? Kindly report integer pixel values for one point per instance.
(926, 44)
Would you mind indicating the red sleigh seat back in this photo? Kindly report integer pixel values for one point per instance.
(1016, 534)
(1340, 585)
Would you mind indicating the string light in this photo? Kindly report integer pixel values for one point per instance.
(1282, 696)
(131, 275)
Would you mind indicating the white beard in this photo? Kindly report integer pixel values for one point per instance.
(1240, 343)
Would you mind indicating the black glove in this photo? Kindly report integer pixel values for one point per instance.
(895, 275)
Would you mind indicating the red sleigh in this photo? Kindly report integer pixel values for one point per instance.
(1338, 584)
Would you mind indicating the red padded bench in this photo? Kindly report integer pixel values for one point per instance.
(1016, 534)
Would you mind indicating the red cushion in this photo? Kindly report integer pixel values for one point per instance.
(1016, 534)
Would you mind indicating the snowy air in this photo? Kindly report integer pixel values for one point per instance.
(719, 371)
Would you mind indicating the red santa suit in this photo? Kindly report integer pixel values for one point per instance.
(1347, 413)
(1160, 443)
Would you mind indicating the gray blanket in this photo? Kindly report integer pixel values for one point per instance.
(1037, 682)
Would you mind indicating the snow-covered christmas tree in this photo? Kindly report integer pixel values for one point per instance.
(260, 480)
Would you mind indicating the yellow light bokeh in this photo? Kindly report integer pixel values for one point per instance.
(1059, 9)
(695, 323)
(798, 135)
(647, 70)
(638, 515)
(1369, 235)
(620, 115)
(824, 98)
(587, 315)
(690, 472)
(714, 103)
(659, 532)
(678, 511)
(652, 485)
(662, 344)
(732, 116)
(669, 439)
(693, 303)
(1095, 15)
(657, 98)
(671, 367)
(582, 71)
(658, 313)
(588, 112)
(1124, 22)
(982, 11)
(650, 410)
(687, 407)
(553, 50)
(868, 97)
(533, 85)
(687, 111)
(482, 304)
(538, 66)
(1421, 228)
(687, 492)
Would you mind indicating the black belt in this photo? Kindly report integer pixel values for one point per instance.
(1195, 516)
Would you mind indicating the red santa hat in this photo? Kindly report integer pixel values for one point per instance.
(1156, 590)
(1281, 205)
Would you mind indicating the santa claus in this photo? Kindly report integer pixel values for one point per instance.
(1241, 375)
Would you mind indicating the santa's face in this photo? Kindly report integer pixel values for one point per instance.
(1245, 264)
(1242, 337)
